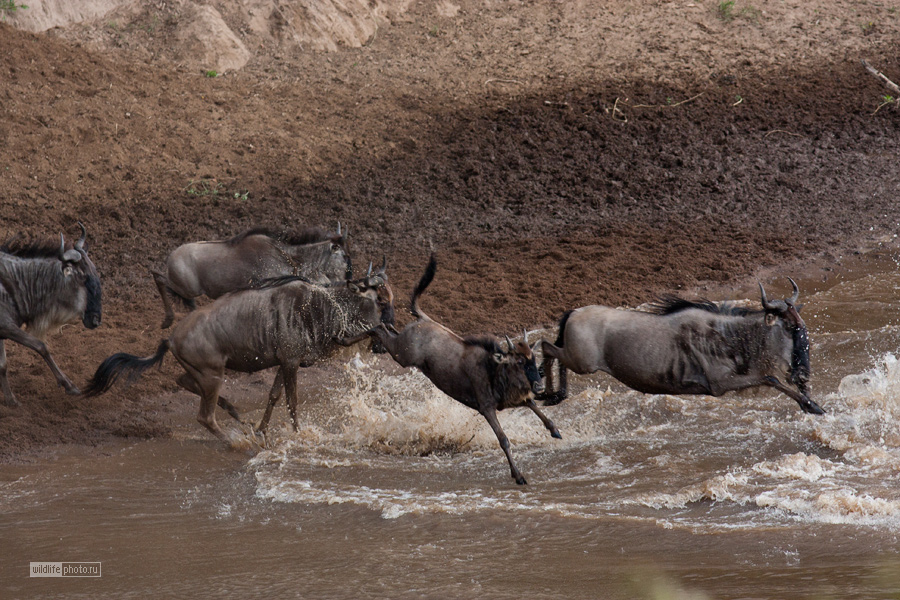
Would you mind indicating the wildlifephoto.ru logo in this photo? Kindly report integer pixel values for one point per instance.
(64, 569)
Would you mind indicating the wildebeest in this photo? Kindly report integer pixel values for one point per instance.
(683, 347)
(285, 322)
(474, 370)
(216, 268)
(44, 286)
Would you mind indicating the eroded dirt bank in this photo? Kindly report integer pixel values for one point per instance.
(548, 158)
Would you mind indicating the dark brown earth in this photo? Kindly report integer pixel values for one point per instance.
(551, 159)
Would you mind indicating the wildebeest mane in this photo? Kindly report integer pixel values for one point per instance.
(491, 345)
(310, 235)
(670, 304)
(25, 248)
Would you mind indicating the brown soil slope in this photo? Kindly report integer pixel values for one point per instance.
(551, 156)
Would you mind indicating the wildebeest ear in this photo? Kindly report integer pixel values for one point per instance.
(499, 358)
(771, 319)
(353, 287)
(798, 307)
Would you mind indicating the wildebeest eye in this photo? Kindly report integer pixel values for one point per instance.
(335, 247)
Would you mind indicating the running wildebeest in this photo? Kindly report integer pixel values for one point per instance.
(216, 268)
(285, 322)
(474, 370)
(683, 347)
(44, 286)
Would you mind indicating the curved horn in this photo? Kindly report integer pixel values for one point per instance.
(339, 228)
(509, 343)
(793, 299)
(62, 247)
(525, 334)
(79, 245)
(383, 266)
(765, 302)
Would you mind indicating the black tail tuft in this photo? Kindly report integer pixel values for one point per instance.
(560, 339)
(424, 282)
(116, 365)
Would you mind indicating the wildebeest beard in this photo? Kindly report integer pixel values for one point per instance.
(93, 310)
(800, 359)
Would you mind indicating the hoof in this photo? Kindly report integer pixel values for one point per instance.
(73, 391)
(521, 481)
(812, 408)
(556, 434)
(167, 322)
(11, 403)
(552, 399)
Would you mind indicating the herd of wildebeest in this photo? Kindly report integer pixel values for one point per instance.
(288, 300)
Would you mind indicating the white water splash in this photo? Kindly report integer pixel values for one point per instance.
(858, 486)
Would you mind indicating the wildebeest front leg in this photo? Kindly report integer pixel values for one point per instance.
(554, 432)
(289, 375)
(188, 383)
(491, 415)
(274, 395)
(29, 341)
(806, 404)
(9, 399)
(352, 340)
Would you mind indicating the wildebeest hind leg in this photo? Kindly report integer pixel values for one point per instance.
(549, 397)
(554, 432)
(209, 384)
(188, 383)
(491, 415)
(274, 395)
(162, 284)
(547, 372)
(9, 399)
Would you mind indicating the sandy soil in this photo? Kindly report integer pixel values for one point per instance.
(552, 154)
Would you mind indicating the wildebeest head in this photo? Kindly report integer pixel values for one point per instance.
(522, 355)
(339, 260)
(78, 268)
(375, 287)
(783, 318)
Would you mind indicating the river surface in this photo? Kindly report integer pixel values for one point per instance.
(392, 490)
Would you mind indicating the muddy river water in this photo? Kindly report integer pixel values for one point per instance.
(391, 490)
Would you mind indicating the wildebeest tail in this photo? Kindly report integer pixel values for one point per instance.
(120, 364)
(560, 339)
(424, 282)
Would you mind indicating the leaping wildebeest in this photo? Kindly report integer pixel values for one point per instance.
(683, 347)
(44, 286)
(285, 322)
(216, 268)
(474, 370)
